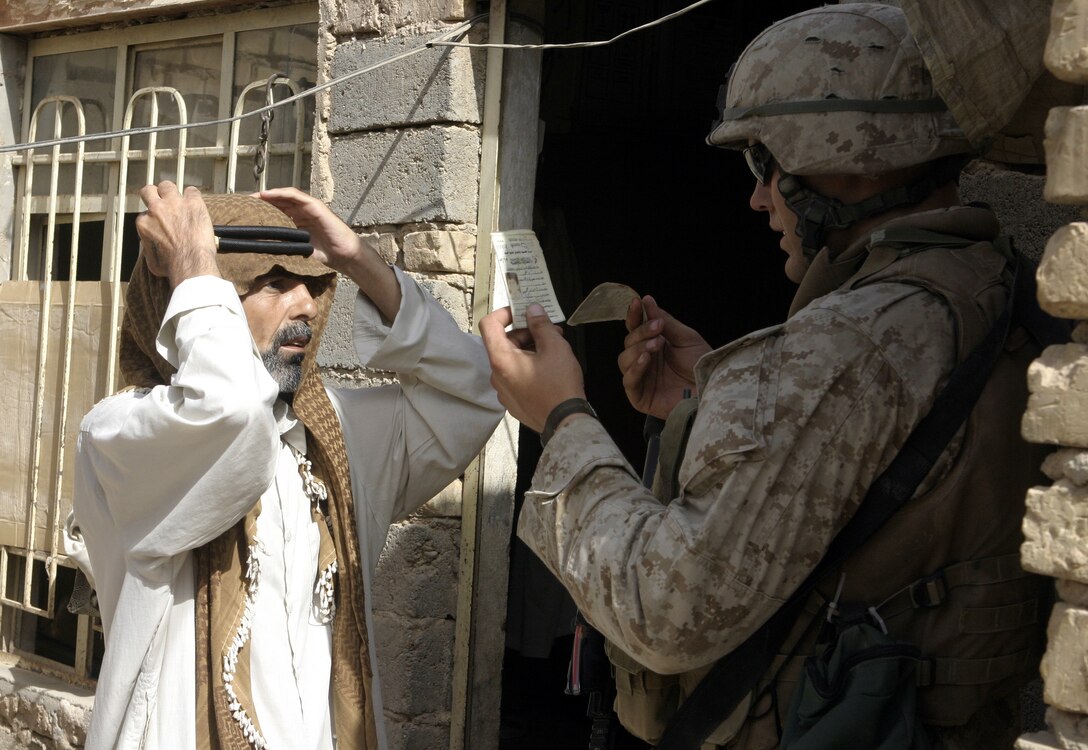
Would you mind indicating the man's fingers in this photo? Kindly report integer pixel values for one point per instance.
(149, 194)
(167, 188)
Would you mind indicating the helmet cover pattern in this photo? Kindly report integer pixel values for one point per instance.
(841, 89)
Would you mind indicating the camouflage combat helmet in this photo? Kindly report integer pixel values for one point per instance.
(841, 89)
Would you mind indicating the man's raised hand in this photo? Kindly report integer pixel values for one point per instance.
(176, 236)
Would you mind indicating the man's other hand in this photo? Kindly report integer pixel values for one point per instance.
(658, 358)
(176, 235)
(532, 376)
(335, 244)
(339, 247)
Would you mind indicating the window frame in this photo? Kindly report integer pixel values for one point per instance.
(22, 602)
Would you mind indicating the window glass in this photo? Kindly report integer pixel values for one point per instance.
(290, 51)
(192, 68)
(89, 76)
(195, 67)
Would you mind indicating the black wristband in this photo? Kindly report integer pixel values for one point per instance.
(561, 412)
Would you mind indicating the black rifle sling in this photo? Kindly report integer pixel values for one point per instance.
(736, 674)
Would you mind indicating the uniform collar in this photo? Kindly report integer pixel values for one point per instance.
(825, 274)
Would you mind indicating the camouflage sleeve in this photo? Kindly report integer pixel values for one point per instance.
(792, 428)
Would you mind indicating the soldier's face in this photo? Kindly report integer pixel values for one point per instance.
(765, 197)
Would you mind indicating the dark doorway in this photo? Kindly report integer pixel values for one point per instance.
(629, 191)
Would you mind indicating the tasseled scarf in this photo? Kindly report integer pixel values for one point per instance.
(227, 573)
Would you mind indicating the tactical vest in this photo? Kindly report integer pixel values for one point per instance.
(944, 573)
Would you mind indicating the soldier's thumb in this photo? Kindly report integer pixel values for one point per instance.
(540, 325)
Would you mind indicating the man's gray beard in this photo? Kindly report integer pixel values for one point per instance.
(286, 370)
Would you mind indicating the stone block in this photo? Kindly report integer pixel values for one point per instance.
(1070, 729)
(457, 301)
(1080, 333)
(1063, 273)
(440, 251)
(446, 504)
(1066, 52)
(1057, 410)
(1072, 592)
(441, 84)
(416, 658)
(1065, 663)
(1055, 528)
(72, 722)
(418, 733)
(385, 244)
(383, 16)
(1067, 463)
(417, 572)
(425, 174)
(337, 349)
(1066, 144)
(1037, 741)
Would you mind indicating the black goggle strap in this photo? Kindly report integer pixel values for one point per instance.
(267, 240)
(817, 213)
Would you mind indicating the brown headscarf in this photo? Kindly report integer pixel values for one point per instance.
(223, 579)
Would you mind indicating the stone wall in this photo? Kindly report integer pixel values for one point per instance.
(397, 153)
(40, 712)
(1056, 524)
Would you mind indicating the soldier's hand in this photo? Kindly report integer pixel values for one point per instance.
(176, 236)
(531, 378)
(658, 358)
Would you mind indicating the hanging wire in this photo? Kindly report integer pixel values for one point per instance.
(441, 40)
(313, 91)
(575, 45)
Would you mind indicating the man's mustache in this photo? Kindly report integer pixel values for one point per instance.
(298, 333)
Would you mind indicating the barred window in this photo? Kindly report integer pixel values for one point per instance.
(75, 242)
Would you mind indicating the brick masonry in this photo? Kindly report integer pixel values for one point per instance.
(1056, 522)
(403, 160)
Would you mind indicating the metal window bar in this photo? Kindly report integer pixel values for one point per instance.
(51, 205)
(59, 105)
(113, 273)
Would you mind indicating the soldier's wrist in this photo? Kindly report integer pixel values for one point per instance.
(568, 408)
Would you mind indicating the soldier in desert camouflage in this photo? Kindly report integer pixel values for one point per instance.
(856, 161)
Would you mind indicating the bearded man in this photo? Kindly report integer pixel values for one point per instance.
(232, 507)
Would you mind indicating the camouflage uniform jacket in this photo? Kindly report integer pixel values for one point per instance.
(794, 423)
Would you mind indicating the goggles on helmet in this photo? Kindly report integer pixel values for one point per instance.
(760, 161)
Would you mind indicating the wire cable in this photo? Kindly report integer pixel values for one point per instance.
(442, 40)
(576, 45)
(312, 91)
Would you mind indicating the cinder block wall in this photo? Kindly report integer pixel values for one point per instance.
(1056, 524)
(397, 153)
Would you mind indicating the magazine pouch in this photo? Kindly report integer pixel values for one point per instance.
(859, 692)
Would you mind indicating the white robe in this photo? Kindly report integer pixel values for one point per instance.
(161, 471)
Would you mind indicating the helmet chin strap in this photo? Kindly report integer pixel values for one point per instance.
(816, 213)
